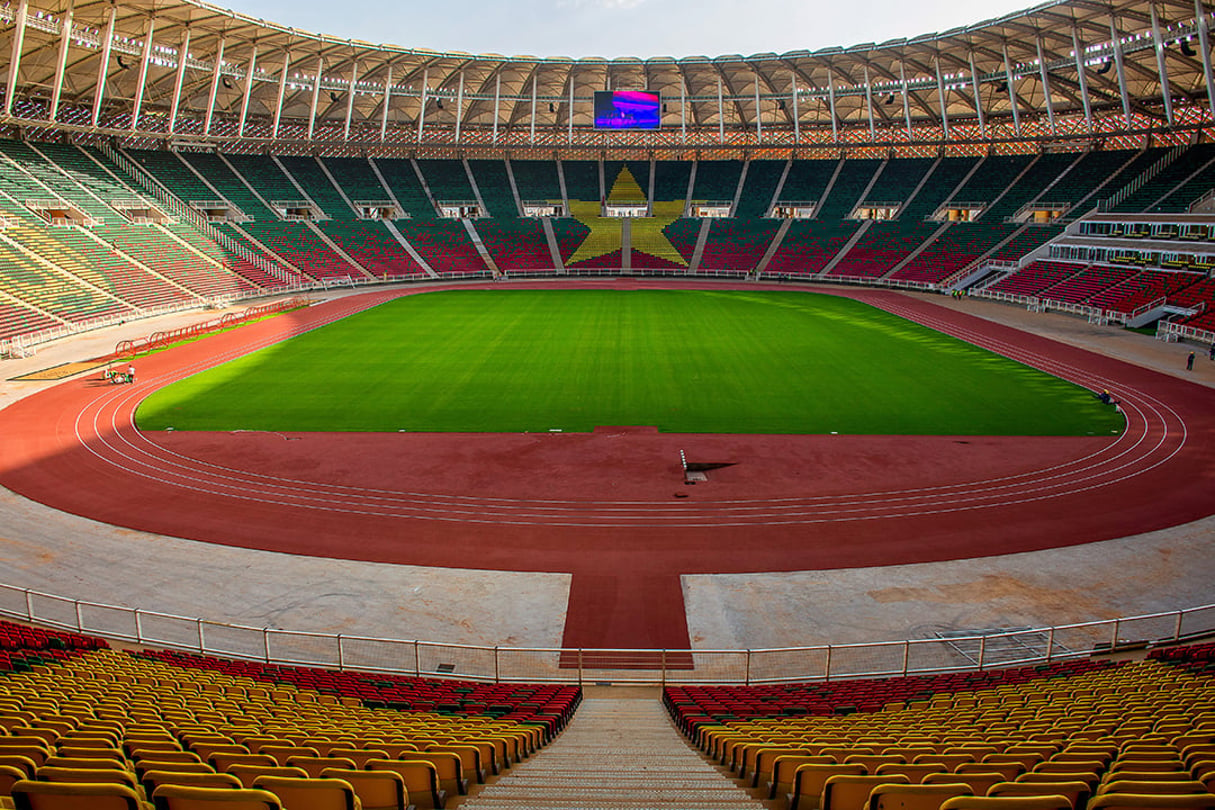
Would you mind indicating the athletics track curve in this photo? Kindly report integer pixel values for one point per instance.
(610, 507)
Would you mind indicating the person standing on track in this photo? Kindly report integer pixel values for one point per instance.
(1189, 362)
(131, 373)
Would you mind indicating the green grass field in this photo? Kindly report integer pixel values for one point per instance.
(684, 361)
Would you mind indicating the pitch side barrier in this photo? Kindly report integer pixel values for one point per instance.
(954, 653)
(158, 340)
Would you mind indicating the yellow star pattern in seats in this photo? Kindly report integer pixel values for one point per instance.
(606, 232)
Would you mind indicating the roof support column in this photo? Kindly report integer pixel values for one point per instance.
(316, 96)
(354, 77)
(244, 104)
(1204, 45)
(142, 81)
(387, 98)
(941, 98)
(569, 113)
(906, 98)
(282, 91)
(797, 119)
(459, 107)
(1083, 79)
(1166, 95)
(1050, 105)
(721, 115)
(65, 39)
(531, 137)
(869, 101)
(183, 56)
(497, 103)
(219, 61)
(974, 86)
(107, 42)
(14, 63)
(835, 135)
(1012, 93)
(1116, 42)
(759, 127)
(422, 109)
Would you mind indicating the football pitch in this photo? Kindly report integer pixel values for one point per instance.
(683, 361)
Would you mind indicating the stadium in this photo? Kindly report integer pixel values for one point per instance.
(827, 428)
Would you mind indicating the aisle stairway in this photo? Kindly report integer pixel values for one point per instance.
(616, 753)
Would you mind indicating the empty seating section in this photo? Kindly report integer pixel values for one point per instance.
(960, 245)
(173, 174)
(150, 719)
(84, 169)
(883, 246)
(536, 180)
(852, 180)
(444, 245)
(263, 174)
(403, 180)
(373, 246)
(682, 234)
(716, 180)
(17, 319)
(1192, 295)
(152, 248)
(1042, 172)
(59, 183)
(582, 180)
(1188, 162)
(1142, 288)
(228, 258)
(1199, 184)
(56, 292)
(218, 175)
(899, 178)
(1082, 286)
(639, 169)
(494, 185)
(357, 179)
(737, 244)
(296, 243)
(447, 180)
(990, 180)
(307, 172)
(758, 188)
(569, 234)
(671, 179)
(1035, 277)
(1027, 241)
(938, 188)
(1095, 168)
(809, 246)
(516, 244)
(807, 180)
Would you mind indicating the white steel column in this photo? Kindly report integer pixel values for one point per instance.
(107, 42)
(354, 77)
(282, 91)
(422, 109)
(65, 39)
(1162, 68)
(244, 104)
(759, 128)
(387, 98)
(14, 62)
(906, 97)
(569, 113)
(1204, 46)
(316, 96)
(183, 56)
(459, 106)
(974, 84)
(1083, 79)
(1012, 93)
(497, 103)
(831, 102)
(142, 81)
(869, 100)
(219, 61)
(1116, 41)
(721, 116)
(941, 98)
(535, 83)
(797, 123)
(1050, 106)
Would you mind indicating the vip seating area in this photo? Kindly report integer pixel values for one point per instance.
(1096, 733)
(94, 234)
(75, 713)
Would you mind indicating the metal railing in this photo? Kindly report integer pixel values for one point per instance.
(955, 653)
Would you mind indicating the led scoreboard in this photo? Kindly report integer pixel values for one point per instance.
(627, 109)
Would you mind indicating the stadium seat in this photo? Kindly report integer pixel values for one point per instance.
(186, 797)
(28, 795)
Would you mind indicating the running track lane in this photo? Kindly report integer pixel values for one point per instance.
(626, 552)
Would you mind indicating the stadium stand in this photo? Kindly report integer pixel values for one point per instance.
(403, 181)
(1035, 277)
(953, 250)
(494, 185)
(882, 247)
(716, 180)
(518, 244)
(447, 180)
(737, 244)
(308, 174)
(937, 187)
(671, 179)
(845, 193)
(582, 180)
(808, 246)
(762, 179)
(445, 246)
(536, 180)
(807, 180)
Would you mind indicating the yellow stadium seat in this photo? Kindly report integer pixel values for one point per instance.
(185, 797)
(377, 790)
(28, 795)
(310, 794)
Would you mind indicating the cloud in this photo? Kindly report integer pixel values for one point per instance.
(609, 5)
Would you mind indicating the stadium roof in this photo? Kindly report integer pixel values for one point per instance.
(1142, 66)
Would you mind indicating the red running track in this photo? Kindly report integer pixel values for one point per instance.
(610, 507)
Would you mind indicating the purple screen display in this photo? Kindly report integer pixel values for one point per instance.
(627, 109)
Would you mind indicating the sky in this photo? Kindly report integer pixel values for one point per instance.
(612, 28)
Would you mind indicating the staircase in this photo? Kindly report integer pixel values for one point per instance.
(615, 753)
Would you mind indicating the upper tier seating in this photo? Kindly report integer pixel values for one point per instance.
(447, 180)
(899, 179)
(852, 180)
(990, 180)
(307, 172)
(938, 188)
(671, 179)
(1188, 162)
(760, 185)
(406, 187)
(716, 180)
(357, 179)
(1083, 178)
(494, 185)
(807, 180)
(536, 180)
(1045, 170)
